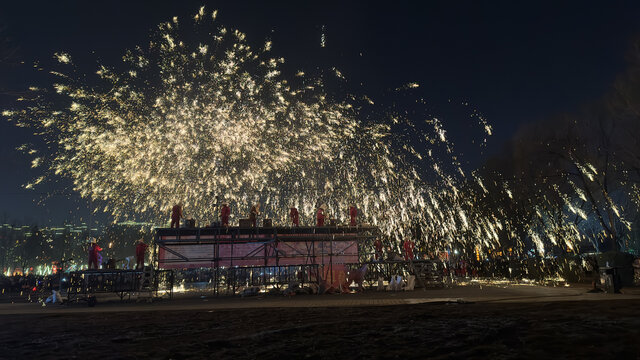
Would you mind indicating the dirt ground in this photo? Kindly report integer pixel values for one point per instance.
(567, 329)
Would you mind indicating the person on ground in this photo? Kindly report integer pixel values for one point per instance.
(94, 250)
(378, 245)
(141, 250)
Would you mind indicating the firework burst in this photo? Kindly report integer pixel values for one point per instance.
(190, 122)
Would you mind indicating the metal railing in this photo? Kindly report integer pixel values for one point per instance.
(82, 285)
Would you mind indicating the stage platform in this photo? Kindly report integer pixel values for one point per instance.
(288, 233)
(261, 246)
(241, 256)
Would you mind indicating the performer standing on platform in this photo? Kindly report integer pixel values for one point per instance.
(320, 216)
(253, 215)
(225, 212)
(353, 214)
(141, 249)
(295, 218)
(408, 246)
(176, 215)
(93, 255)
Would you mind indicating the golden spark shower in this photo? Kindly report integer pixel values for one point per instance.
(213, 119)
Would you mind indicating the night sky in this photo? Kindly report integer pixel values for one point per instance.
(515, 62)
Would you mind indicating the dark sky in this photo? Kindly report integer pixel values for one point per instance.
(515, 61)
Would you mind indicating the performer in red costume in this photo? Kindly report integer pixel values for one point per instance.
(320, 216)
(353, 213)
(378, 245)
(141, 249)
(176, 214)
(408, 246)
(253, 215)
(93, 255)
(225, 212)
(295, 218)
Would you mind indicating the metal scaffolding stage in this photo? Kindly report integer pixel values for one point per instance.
(273, 246)
(265, 255)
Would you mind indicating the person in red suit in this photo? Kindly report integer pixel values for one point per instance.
(408, 246)
(176, 214)
(295, 217)
(320, 217)
(253, 215)
(93, 255)
(353, 213)
(141, 249)
(378, 245)
(225, 212)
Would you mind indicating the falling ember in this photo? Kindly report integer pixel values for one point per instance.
(323, 39)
